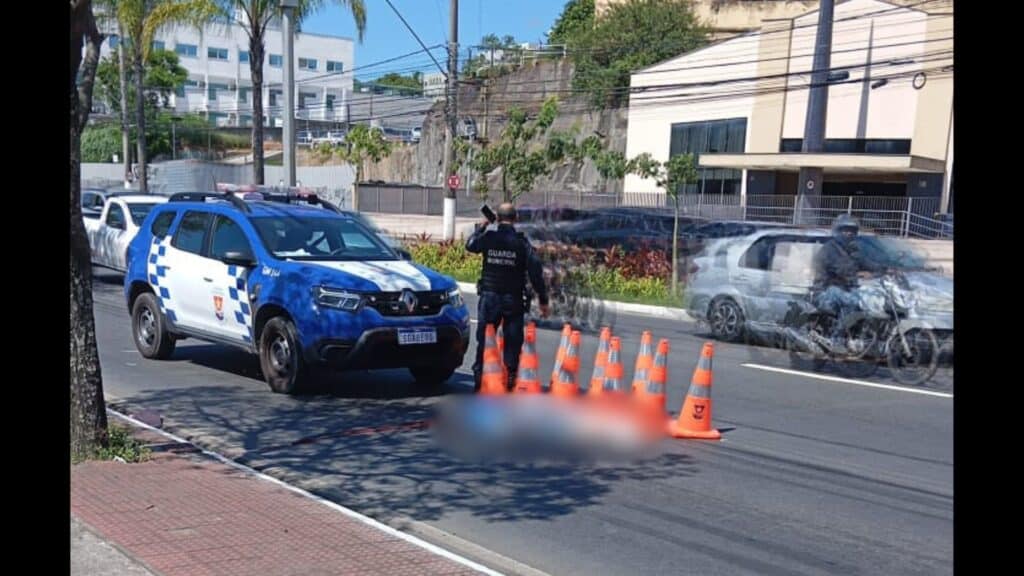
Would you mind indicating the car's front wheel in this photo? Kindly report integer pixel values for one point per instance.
(150, 329)
(281, 357)
(726, 320)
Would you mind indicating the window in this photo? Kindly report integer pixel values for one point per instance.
(217, 53)
(157, 45)
(115, 217)
(759, 256)
(330, 101)
(139, 212)
(191, 234)
(193, 84)
(274, 95)
(333, 66)
(320, 238)
(307, 63)
(306, 100)
(162, 224)
(276, 60)
(243, 94)
(186, 50)
(211, 90)
(114, 41)
(245, 120)
(714, 137)
(228, 237)
(243, 56)
(852, 146)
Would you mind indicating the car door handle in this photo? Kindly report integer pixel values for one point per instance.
(207, 279)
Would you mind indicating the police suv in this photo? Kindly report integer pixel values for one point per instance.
(298, 283)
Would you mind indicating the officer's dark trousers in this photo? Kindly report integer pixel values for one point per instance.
(506, 310)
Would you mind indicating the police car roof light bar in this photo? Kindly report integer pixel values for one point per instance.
(203, 196)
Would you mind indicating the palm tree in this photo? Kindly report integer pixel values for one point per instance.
(254, 16)
(139, 21)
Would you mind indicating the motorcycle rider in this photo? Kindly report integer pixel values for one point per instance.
(839, 264)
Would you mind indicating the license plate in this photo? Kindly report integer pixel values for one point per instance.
(417, 336)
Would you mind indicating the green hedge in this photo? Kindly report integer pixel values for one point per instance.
(452, 259)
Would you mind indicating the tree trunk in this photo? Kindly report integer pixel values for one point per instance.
(88, 410)
(126, 137)
(256, 71)
(140, 118)
(675, 249)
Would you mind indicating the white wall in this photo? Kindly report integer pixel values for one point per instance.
(890, 109)
(653, 110)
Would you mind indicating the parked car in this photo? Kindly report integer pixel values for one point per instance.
(292, 282)
(743, 286)
(415, 134)
(118, 223)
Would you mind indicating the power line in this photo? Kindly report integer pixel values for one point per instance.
(415, 35)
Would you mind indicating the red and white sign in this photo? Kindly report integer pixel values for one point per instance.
(453, 181)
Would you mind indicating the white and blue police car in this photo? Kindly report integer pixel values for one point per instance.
(298, 283)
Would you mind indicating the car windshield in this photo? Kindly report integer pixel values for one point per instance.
(890, 253)
(319, 238)
(139, 212)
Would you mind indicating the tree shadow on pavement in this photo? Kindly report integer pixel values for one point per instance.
(378, 456)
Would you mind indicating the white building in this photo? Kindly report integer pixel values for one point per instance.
(740, 106)
(220, 84)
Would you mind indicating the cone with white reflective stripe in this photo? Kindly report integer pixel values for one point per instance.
(528, 378)
(694, 419)
(493, 379)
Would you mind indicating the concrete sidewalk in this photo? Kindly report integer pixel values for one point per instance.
(183, 512)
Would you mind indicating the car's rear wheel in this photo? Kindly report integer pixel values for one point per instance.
(726, 320)
(281, 357)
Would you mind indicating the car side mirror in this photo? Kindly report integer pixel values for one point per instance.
(238, 258)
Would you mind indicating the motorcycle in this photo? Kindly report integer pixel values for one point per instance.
(886, 327)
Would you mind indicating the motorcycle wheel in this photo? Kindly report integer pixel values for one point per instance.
(918, 363)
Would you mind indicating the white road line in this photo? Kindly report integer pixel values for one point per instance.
(346, 511)
(847, 380)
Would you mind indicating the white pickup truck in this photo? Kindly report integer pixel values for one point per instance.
(111, 231)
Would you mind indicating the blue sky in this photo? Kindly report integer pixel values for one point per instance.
(387, 37)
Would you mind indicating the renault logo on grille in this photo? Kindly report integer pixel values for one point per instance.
(409, 300)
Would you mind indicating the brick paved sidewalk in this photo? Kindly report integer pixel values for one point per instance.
(189, 514)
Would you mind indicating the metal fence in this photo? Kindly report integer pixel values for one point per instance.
(892, 216)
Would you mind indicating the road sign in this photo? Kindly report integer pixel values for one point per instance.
(453, 182)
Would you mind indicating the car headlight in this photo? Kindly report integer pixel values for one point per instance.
(455, 298)
(337, 298)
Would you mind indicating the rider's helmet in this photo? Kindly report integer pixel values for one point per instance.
(845, 228)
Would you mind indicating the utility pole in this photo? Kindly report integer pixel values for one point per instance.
(452, 114)
(288, 128)
(811, 178)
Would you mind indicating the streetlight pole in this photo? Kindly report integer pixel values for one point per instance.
(288, 126)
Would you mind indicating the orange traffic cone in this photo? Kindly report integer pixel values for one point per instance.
(695, 417)
(494, 376)
(651, 397)
(613, 372)
(566, 333)
(528, 380)
(644, 360)
(566, 386)
(597, 377)
(501, 345)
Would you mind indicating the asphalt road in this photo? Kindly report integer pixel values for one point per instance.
(815, 474)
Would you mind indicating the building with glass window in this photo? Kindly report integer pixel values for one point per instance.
(740, 106)
(220, 84)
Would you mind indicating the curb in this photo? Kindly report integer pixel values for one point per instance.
(677, 314)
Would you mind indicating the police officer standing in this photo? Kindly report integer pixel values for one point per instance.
(507, 260)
